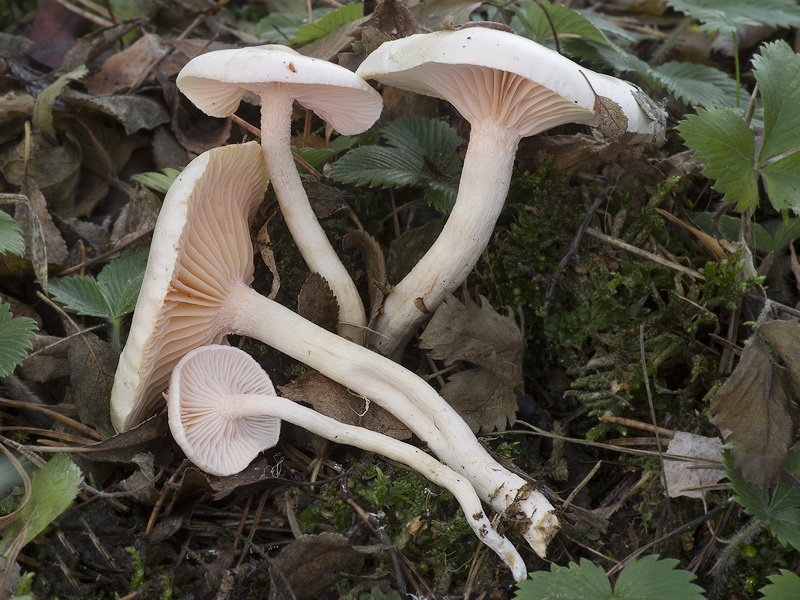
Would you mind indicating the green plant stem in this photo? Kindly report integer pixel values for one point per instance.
(669, 41)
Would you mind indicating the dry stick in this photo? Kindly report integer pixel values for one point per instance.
(253, 527)
(576, 240)
(56, 416)
(477, 560)
(26, 484)
(151, 522)
(667, 433)
(648, 255)
(106, 254)
(690, 525)
(653, 413)
(66, 339)
(581, 485)
(89, 16)
(297, 158)
(61, 435)
(242, 521)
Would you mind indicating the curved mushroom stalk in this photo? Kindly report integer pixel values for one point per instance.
(507, 87)
(196, 290)
(223, 411)
(216, 82)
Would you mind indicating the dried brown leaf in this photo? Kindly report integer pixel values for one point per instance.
(93, 363)
(337, 402)
(268, 256)
(375, 264)
(56, 247)
(755, 415)
(133, 112)
(122, 70)
(89, 47)
(49, 362)
(429, 14)
(393, 18)
(477, 334)
(317, 303)
(195, 131)
(485, 401)
(148, 436)
(784, 337)
(683, 476)
(310, 564)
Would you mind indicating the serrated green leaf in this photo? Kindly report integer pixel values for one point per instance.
(780, 510)
(319, 158)
(777, 70)
(280, 27)
(121, 279)
(111, 296)
(53, 489)
(437, 141)
(782, 182)
(609, 55)
(649, 578)
(378, 166)
(441, 194)
(584, 582)
(11, 239)
(697, 84)
(566, 21)
(158, 182)
(319, 28)
(16, 336)
(784, 586)
(725, 144)
(785, 233)
(726, 15)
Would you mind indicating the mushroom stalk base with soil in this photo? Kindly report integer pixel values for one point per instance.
(311, 240)
(485, 179)
(200, 402)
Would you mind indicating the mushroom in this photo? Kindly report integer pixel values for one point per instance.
(223, 411)
(196, 290)
(215, 82)
(508, 87)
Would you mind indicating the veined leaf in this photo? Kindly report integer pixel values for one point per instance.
(780, 509)
(777, 70)
(279, 27)
(16, 336)
(329, 23)
(723, 141)
(727, 15)
(319, 158)
(565, 21)
(785, 586)
(697, 84)
(782, 182)
(53, 489)
(379, 166)
(158, 182)
(610, 55)
(112, 295)
(647, 577)
(11, 239)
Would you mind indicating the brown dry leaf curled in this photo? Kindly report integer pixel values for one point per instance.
(755, 415)
(485, 397)
(317, 303)
(93, 363)
(608, 116)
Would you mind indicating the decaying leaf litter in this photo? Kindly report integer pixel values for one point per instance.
(93, 131)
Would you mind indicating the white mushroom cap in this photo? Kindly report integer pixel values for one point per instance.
(215, 83)
(218, 442)
(196, 252)
(491, 74)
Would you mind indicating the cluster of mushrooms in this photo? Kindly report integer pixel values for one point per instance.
(222, 407)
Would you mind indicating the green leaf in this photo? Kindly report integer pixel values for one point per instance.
(727, 15)
(43, 107)
(780, 510)
(420, 152)
(785, 586)
(112, 295)
(782, 182)
(566, 21)
(722, 140)
(319, 158)
(16, 336)
(318, 29)
(587, 582)
(11, 239)
(649, 578)
(609, 55)
(158, 182)
(279, 27)
(53, 489)
(697, 84)
(785, 232)
(777, 70)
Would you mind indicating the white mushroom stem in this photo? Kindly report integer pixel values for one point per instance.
(408, 397)
(246, 405)
(316, 249)
(485, 179)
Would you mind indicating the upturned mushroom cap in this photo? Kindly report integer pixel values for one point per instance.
(215, 83)
(491, 74)
(219, 443)
(196, 251)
